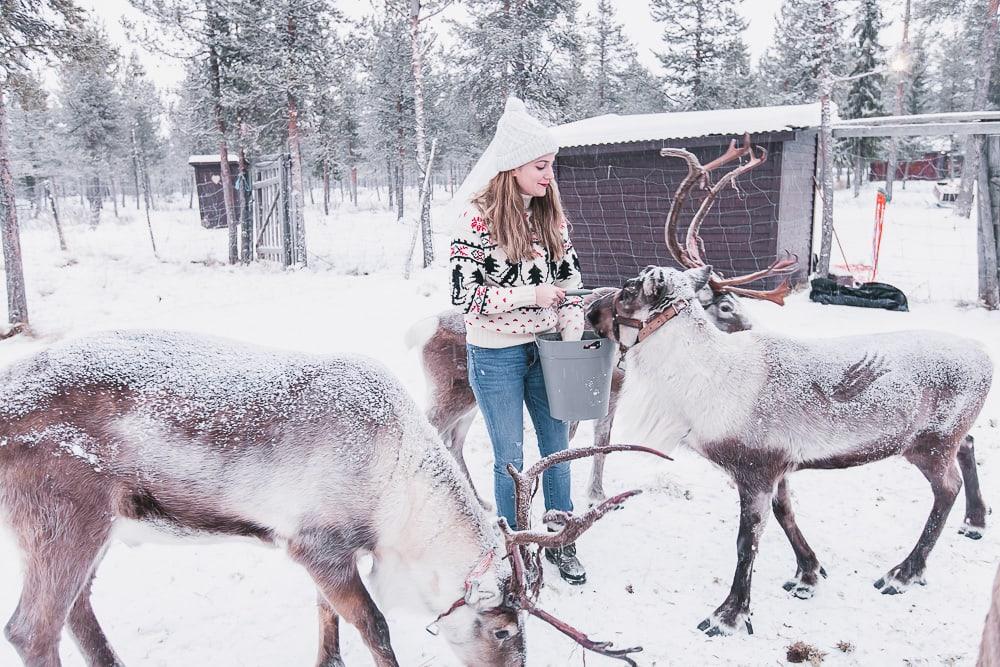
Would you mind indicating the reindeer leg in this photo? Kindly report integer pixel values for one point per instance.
(456, 445)
(61, 544)
(935, 458)
(329, 557)
(329, 635)
(807, 570)
(87, 632)
(975, 508)
(755, 496)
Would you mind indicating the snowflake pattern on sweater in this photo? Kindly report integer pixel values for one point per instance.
(498, 296)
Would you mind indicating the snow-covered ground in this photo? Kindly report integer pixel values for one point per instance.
(655, 569)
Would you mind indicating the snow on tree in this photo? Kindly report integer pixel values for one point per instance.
(706, 61)
(40, 28)
(93, 113)
(864, 97)
(514, 48)
(790, 68)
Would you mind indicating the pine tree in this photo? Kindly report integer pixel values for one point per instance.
(513, 48)
(864, 98)
(93, 112)
(789, 70)
(38, 29)
(705, 58)
(619, 83)
(143, 113)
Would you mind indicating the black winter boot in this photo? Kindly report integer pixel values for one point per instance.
(569, 565)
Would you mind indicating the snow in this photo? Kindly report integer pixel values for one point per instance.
(655, 569)
(211, 158)
(615, 128)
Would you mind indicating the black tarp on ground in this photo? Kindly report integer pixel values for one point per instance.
(866, 295)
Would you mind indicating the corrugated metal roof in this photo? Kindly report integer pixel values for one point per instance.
(616, 129)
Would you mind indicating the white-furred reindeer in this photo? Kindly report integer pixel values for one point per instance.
(326, 456)
(440, 338)
(779, 405)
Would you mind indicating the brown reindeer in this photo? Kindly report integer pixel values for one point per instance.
(781, 405)
(441, 338)
(327, 457)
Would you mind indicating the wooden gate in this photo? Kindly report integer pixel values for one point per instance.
(273, 214)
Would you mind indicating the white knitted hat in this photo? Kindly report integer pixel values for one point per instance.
(519, 139)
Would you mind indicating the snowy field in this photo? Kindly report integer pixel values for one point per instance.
(656, 568)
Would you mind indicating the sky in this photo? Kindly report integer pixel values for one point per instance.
(632, 14)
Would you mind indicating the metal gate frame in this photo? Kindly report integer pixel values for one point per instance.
(273, 214)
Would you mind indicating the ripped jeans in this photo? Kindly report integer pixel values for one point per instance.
(504, 380)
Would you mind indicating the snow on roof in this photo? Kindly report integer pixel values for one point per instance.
(616, 129)
(211, 158)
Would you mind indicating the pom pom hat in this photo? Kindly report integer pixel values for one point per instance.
(519, 139)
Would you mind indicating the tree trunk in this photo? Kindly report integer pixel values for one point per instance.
(326, 187)
(193, 188)
(987, 51)
(135, 170)
(220, 125)
(17, 299)
(140, 160)
(826, 145)
(55, 215)
(426, 237)
(298, 201)
(390, 182)
(354, 185)
(989, 218)
(399, 192)
(245, 200)
(890, 167)
(859, 167)
(113, 191)
(95, 199)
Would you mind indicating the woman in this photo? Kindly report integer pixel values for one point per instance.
(511, 263)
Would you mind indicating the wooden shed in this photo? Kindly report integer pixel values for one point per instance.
(617, 189)
(208, 180)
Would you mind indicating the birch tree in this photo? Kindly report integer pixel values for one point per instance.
(41, 28)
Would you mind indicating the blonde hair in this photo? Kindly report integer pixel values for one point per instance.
(503, 210)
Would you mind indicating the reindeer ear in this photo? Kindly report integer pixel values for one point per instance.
(483, 591)
(699, 277)
(600, 315)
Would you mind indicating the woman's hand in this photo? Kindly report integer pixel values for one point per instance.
(548, 296)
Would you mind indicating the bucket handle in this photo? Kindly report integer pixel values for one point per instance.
(593, 345)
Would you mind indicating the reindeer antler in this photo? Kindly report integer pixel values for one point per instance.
(519, 542)
(691, 254)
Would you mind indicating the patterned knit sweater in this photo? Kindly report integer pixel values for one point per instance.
(498, 296)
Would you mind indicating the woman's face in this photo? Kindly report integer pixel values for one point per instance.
(533, 178)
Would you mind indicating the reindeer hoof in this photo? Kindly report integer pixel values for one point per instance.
(891, 584)
(713, 626)
(972, 532)
(801, 588)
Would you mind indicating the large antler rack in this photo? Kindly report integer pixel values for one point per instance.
(691, 254)
(526, 561)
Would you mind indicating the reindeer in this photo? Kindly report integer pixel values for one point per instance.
(327, 457)
(781, 405)
(441, 338)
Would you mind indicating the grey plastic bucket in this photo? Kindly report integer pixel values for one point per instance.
(577, 375)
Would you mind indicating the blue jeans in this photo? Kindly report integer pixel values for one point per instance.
(504, 380)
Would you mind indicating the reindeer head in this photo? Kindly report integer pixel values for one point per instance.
(490, 611)
(487, 628)
(646, 302)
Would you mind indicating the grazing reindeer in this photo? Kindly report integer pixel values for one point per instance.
(325, 456)
(441, 337)
(781, 405)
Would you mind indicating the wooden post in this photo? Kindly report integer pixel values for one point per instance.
(989, 221)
